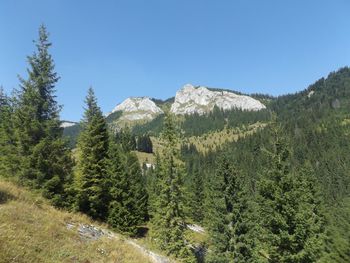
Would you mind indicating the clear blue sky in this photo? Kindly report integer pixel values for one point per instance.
(137, 48)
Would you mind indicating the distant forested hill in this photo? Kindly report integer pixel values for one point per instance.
(316, 123)
(191, 125)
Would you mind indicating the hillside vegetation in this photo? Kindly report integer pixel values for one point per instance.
(315, 126)
(191, 125)
(33, 231)
(213, 141)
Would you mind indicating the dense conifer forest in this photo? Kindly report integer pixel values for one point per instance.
(280, 194)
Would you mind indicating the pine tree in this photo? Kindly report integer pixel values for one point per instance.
(128, 207)
(242, 220)
(8, 154)
(196, 194)
(52, 159)
(45, 160)
(152, 183)
(144, 144)
(38, 113)
(310, 219)
(126, 139)
(92, 179)
(137, 186)
(217, 218)
(228, 216)
(291, 221)
(168, 223)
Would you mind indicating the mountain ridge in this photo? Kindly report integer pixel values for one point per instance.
(190, 99)
(146, 108)
(137, 108)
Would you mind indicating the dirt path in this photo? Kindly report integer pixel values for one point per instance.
(91, 232)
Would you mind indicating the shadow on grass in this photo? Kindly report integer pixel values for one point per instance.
(141, 232)
(5, 197)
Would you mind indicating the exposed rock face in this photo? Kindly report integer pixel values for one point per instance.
(195, 228)
(66, 124)
(312, 92)
(138, 108)
(201, 100)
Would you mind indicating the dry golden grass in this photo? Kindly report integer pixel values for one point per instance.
(145, 157)
(196, 238)
(33, 231)
(213, 140)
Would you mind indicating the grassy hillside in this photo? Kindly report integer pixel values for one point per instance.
(33, 231)
(196, 125)
(145, 157)
(216, 140)
(211, 141)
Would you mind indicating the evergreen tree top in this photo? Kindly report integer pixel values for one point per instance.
(42, 78)
(41, 62)
(3, 97)
(170, 134)
(92, 109)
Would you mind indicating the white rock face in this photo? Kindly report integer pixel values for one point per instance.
(195, 228)
(138, 108)
(189, 100)
(66, 124)
(312, 92)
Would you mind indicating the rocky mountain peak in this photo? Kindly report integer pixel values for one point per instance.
(190, 99)
(138, 108)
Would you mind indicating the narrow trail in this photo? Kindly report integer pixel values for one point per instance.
(91, 232)
(153, 256)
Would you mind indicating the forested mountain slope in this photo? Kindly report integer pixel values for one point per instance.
(203, 110)
(315, 124)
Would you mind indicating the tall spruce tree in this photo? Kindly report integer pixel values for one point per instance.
(311, 222)
(38, 111)
(217, 218)
(144, 144)
(196, 194)
(126, 139)
(168, 223)
(290, 214)
(92, 178)
(8, 153)
(128, 207)
(242, 219)
(152, 183)
(45, 160)
(228, 216)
